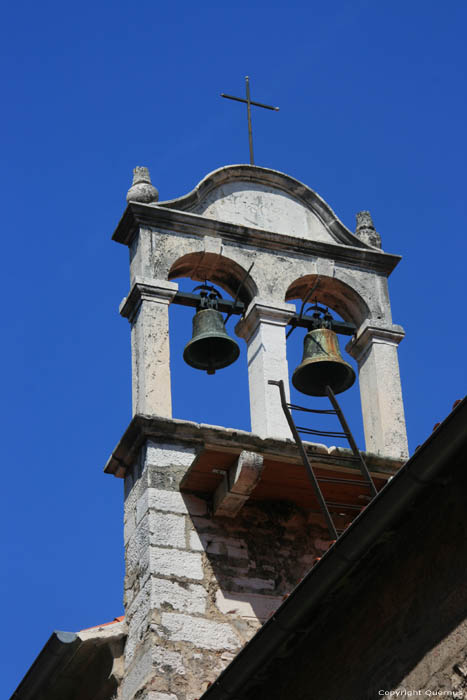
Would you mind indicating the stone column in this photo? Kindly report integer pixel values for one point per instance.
(178, 638)
(147, 309)
(375, 350)
(263, 328)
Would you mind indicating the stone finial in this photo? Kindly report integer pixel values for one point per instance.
(142, 189)
(366, 230)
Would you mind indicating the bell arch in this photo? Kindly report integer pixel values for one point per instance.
(373, 347)
(332, 292)
(205, 346)
(218, 269)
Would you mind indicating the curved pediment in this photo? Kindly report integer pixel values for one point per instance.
(266, 199)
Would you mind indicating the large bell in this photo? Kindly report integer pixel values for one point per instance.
(211, 347)
(322, 365)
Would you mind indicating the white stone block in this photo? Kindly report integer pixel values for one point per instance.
(206, 634)
(175, 562)
(152, 596)
(165, 658)
(152, 695)
(136, 553)
(129, 526)
(251, 606)
(136, 675)
(167, 530)
(165, 455)
(255, 583)
(195, 542)
(190, 598)
(217, 544)
(142, 506)
(139, 608)
(223, 548)
(170, 502)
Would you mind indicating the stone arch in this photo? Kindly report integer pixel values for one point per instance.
(334, 293)
(217, 269)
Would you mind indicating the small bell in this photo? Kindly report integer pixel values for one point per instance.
(322, 365)
(211, 347)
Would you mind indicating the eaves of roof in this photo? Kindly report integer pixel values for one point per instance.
(58, 651)
(56, 657)
(277, 635)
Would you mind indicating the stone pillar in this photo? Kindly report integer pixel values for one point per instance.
(263, 328)
(165, 601)
(375, 350)
(147, 309)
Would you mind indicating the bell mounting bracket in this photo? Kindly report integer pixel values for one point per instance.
(210, 298)
(302, 320)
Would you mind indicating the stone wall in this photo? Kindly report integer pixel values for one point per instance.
(197, 587)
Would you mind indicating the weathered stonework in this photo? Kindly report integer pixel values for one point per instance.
(142, 189)
(198, 586)
(264, 331)
(375, 349)
(204, 571)
(365, 229)
(237, 484)
(147, 309)
(241, 215)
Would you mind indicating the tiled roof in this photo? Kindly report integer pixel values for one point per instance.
(104, 624)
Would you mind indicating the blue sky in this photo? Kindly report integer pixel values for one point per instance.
(372, 116)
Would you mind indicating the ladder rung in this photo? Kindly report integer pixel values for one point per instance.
(335, 480)
(323, 411)
(322, 433)
(349, 506)
(345, 434)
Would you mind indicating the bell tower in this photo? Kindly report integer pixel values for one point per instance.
(221, 524)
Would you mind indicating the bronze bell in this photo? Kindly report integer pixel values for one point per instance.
(211, 347)
(322, 365)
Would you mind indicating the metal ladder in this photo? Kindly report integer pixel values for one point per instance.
(346, 433)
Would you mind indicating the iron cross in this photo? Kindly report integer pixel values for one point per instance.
(248, 103)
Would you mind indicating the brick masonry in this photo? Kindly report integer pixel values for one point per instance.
(197, 587)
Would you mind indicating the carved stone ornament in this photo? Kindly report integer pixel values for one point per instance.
(366, 230)
(142, 189)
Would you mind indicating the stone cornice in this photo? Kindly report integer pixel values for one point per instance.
(259, 311)
(143, 428)
(142, 289)
(371, 332)
(139, 215)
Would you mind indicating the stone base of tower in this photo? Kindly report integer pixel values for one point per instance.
(198, 585)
